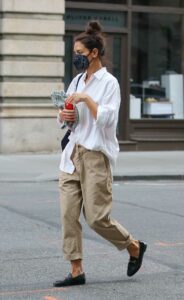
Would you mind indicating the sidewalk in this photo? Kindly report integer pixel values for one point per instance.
(130, 166)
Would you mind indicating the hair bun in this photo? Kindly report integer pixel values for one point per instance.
(93, 27)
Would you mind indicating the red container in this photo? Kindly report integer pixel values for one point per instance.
(69, 106)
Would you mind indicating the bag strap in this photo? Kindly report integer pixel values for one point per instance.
(78, 81)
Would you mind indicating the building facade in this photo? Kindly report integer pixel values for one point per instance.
(145, 51)
(32, 51)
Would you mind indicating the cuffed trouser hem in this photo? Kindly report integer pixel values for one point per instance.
(126, 243)
(73, 256)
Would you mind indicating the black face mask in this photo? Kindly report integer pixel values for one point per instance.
(81, 62)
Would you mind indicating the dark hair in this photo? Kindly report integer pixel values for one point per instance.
(93, 37)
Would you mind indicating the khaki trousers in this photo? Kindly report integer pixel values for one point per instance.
(88, 188)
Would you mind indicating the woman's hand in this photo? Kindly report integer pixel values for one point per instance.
(76, 98)
(82, 97)
(67, 115)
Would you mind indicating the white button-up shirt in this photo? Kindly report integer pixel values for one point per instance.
(95, 134)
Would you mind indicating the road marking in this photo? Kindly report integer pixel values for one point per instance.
(50, 298)
(166, 244)
(16, 293)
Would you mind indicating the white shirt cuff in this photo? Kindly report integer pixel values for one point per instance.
(59, 122)
(105, 116)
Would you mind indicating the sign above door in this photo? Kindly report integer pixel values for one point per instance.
(110, 20)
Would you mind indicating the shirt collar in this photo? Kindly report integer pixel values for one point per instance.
(98, 74)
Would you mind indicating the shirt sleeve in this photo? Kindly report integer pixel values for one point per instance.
(71, 88)
(61, 124)
(108, 108)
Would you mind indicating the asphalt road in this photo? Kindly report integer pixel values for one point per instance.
(31, 258)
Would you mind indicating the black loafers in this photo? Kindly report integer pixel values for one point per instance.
(136, 262)
(69, 280)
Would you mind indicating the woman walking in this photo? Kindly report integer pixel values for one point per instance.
(86, 163)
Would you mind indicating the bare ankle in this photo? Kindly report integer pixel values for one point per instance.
(133, 248)
(76, 267)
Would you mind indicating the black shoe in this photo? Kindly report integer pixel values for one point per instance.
(136, 262)
(69, 280)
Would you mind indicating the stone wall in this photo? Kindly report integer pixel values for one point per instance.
(31, 66)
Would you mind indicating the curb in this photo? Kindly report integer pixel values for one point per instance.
(115, 178)
(147, 177)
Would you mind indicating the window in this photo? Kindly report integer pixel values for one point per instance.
(156, 66)
(169, 3)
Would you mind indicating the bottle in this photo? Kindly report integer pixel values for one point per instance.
(69, 106)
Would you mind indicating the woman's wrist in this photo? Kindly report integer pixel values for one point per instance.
(86, 98)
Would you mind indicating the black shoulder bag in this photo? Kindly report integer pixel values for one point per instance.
(65, 139)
